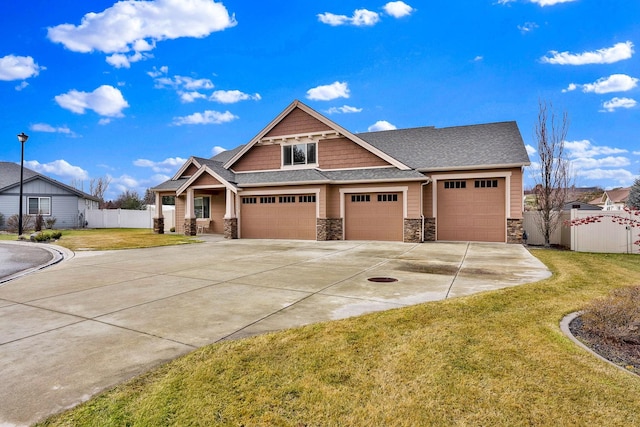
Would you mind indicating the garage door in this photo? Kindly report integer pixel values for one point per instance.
(374, 216)
(472, 209)
(279, 217)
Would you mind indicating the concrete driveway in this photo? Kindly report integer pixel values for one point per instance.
(88, 323)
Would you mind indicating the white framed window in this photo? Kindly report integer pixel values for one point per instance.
(299, 154)
(202, 206)
(39, 205)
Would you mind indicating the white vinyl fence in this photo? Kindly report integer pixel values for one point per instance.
(125, 218)
(604, 236)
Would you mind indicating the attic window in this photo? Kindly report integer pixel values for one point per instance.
(299, 154)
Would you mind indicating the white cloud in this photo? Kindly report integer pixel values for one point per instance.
(217, 150)
(527, 27)
(22, 85)
(232, 96)
(361, 17)
(544, 3)
(621, 176)
(618, 52)
(530, 150)
(105, 100)
(637, 153)
(346, 109)
(381, 125)
(329, 92)
(604, 162)
(131, 27)
(18, 68)
(398, 9)
(188, 97)
(207, 117)
(613, 83)
(571, 87)
(44, 127)
(167, 165)
(584, 148)
(615, 103)
(58, 167)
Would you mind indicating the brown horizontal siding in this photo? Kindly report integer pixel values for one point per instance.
(259, 157)
(297, 121)
(191, 170)
(342, 153)
(206, 179)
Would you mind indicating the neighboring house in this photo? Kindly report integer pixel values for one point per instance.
(43, 195)
(581, 206)
(612, 200)
(305, 177)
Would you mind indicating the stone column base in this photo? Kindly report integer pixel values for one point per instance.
(429, 229)
(231, 228)
(328, 229)
(412, 230)
(158, 225)
(190, 227)
(514, 230)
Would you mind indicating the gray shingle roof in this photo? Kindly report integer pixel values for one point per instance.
(10, 176)
(172, 184)
(422, 149)
(429, 148)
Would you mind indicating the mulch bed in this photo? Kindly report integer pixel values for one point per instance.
(622, 354)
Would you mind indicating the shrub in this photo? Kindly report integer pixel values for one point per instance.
(172, 229)
(39, 222)
(1, 220)
(615, 318)
(12, 223)
(50, 222)
(56, 235)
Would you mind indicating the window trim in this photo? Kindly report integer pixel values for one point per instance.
(204, 209)
(39, 210)
(294, 165)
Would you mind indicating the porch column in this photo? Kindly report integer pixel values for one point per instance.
(190, 227)
(158, 220)
(230, 218)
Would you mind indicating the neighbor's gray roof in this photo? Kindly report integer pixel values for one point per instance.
(429, 148)
(10, 177)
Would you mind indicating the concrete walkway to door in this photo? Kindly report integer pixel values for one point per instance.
(100, 318)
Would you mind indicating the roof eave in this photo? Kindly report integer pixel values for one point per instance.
(473, 167)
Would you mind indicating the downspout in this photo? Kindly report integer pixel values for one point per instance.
(422, 207)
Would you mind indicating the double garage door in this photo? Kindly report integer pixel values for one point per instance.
(368, 216)
(279, 217)
(471, 210)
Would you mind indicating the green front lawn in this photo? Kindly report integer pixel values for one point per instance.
(114, 238)
(492, 359)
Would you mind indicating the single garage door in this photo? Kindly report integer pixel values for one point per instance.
(374, 216)
(279, 217)
(471, 210)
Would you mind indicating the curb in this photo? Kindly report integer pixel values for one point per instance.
(59, 254)
(564, 326)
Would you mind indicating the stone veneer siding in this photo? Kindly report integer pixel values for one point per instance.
(328, 229)
(412, 230)
(429, 229)
(158, 225)
(190, 227)
(514, 230)
(231, 228)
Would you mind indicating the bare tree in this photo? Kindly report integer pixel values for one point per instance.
(554, 177)
(98, 186)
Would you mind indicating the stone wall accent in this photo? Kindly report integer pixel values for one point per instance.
(429, 229)
(412, 230)
(158, 225)
(328, 229)
(231, 228)
(190, 227)
(514, 230)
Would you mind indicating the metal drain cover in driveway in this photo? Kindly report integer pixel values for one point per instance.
(382, 279)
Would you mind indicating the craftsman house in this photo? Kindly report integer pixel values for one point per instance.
(305, 177)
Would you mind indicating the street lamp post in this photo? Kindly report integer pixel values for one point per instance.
(22, 137)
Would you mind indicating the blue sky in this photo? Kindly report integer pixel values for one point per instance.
(129, 90)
